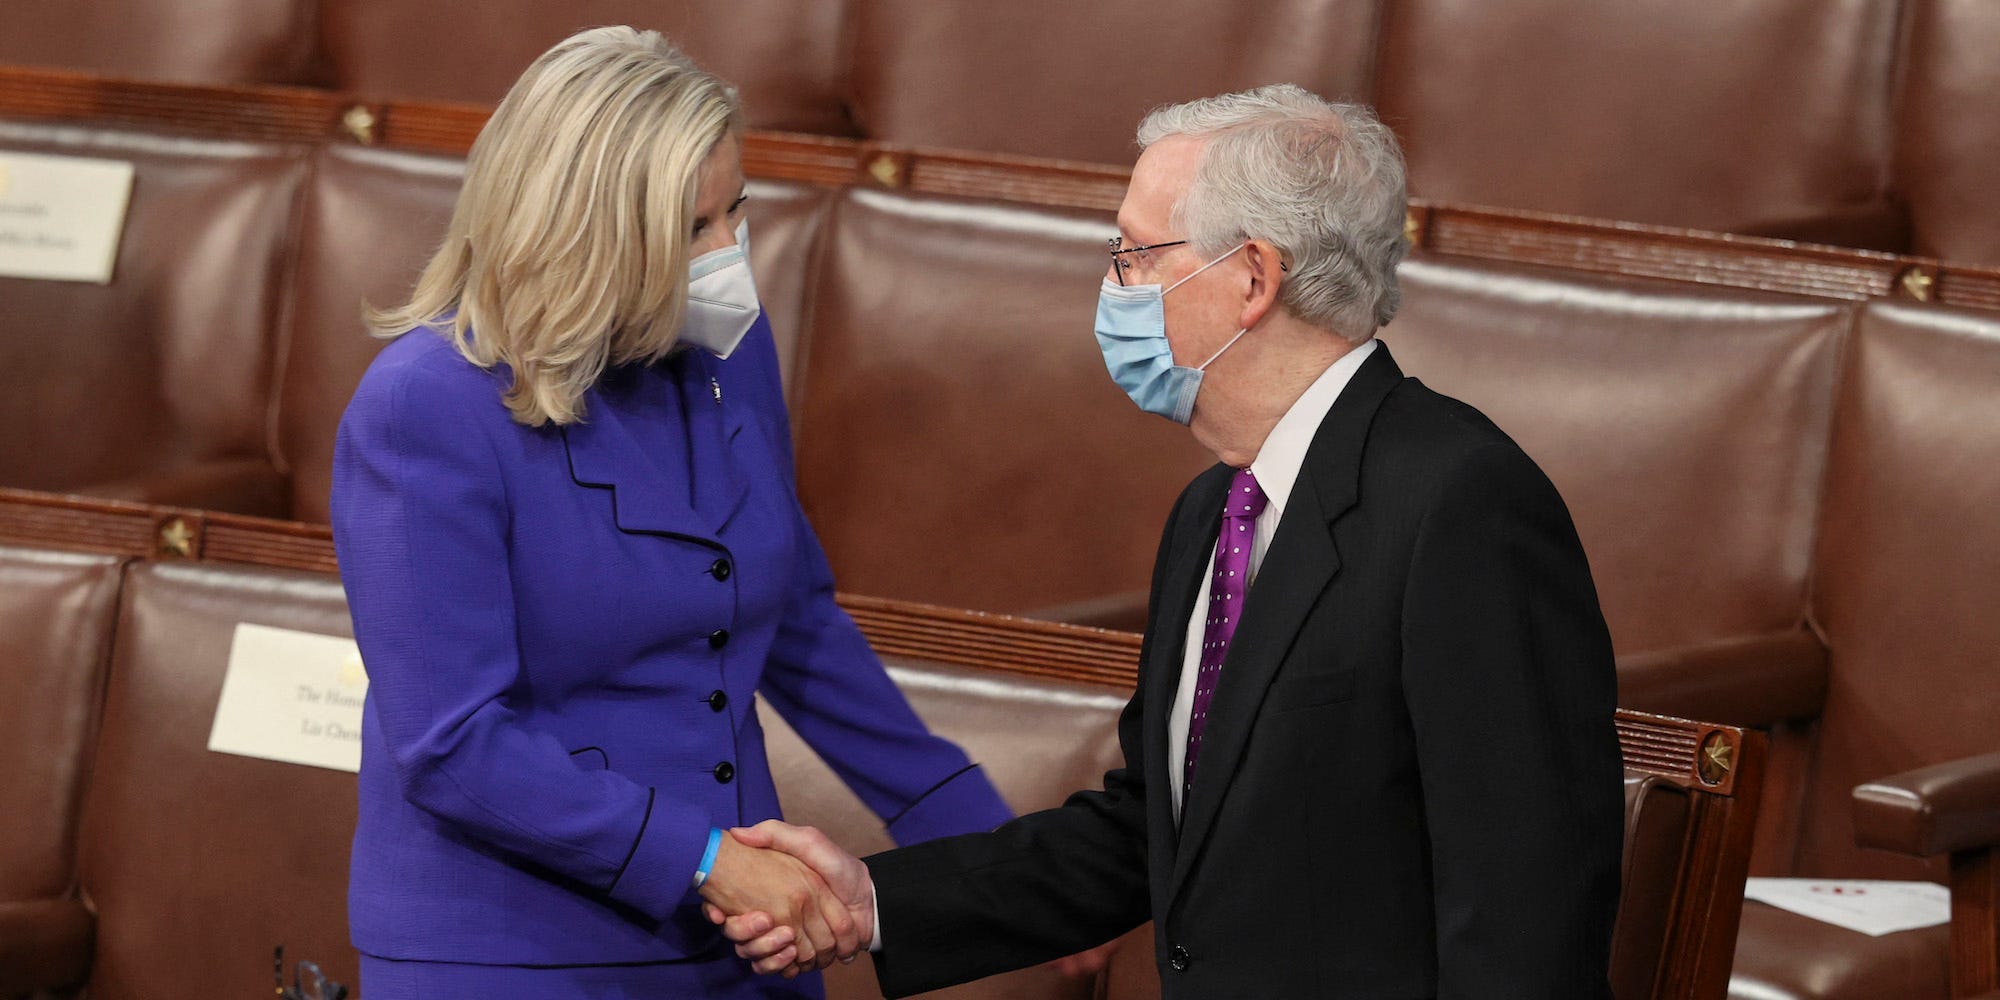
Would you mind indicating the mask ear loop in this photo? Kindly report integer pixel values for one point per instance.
(1202, 268)
(1232, 343)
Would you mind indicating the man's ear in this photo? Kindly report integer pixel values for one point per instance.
(1268, 272)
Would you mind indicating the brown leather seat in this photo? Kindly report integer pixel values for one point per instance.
(954, 391)
(1071, 80)
(1784, 956)
(56, 614)
(156, 386)
(188, 41)
(372, 219)
(198, 863)
(785, 57)
(1765, 118)
(1685, 427)
(1904, 594)
(1947, 134)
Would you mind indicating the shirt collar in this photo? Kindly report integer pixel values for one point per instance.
(1284, 452)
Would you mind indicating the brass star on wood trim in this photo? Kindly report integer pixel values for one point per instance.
(1716, 759)
(177, 539)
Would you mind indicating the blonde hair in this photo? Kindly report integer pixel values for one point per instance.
(568, 247)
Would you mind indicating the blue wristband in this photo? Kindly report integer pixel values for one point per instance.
(708, 856)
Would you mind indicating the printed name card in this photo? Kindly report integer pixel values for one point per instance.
(61, 216)
(291, 696)
(1873, 907)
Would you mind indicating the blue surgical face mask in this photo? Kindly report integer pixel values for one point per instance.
(1132, 333)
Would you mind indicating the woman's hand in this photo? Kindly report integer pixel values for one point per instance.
(790, 897)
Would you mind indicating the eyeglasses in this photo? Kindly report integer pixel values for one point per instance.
(1119, 250)
(308, 983)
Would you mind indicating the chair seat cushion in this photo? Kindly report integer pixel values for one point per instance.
(1783, 956)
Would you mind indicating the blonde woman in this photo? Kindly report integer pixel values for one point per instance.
(569, 533)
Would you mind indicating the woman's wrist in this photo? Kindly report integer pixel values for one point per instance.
(708, 856)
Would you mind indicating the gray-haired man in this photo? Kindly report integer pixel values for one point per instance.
(1371, 751)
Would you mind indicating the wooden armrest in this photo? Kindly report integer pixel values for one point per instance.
(236, 485)
(1942, 809)
(44, 945)
(1752, 681)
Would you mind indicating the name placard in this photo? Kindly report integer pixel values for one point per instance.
(291, 696)
(61, 216)
(1873, 907)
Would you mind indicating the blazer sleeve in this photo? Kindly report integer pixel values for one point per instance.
(1048, 884)
(1508, 675)
(827, 682)
(421, 522)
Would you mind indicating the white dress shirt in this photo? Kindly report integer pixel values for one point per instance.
(1277, 469)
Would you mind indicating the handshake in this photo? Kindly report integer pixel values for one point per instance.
(790, 898)
(793, 902)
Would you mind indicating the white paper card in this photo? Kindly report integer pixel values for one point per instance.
(291, 696)
(1873, 907)
(61, 216)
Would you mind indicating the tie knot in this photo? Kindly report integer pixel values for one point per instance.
(1246, 499)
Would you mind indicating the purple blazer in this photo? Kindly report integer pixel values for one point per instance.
(563, 629)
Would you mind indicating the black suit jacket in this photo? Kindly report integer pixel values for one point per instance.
(1410, 780)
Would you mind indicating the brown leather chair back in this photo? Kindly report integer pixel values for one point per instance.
(1732, 116)
(954, 395)
(1948, 134)
(1071, 80)
(784, 56)
(198, 863)
(1039, 740)
(56, 613)
(1685, 427)
(1906, 589)
(372, 220)
(168, 365)
(187, 41)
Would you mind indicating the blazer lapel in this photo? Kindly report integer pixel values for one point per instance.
(1301, 563)
(619, 446)
(1194, 534)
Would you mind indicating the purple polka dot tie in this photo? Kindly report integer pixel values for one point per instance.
(1225, 604)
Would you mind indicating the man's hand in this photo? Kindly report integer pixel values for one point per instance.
(769, 941)
(787, 903)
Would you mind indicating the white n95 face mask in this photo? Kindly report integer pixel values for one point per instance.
(722, 297)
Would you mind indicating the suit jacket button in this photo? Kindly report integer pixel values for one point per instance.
(718, 638)
(1178, 958)
(720, 569)
(717, 700)
(724, 772)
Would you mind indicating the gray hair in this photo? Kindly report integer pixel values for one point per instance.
(1321, 180)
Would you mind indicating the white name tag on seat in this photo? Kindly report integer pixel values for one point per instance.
(291, 696)
(1872, 906)
(61, 216)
